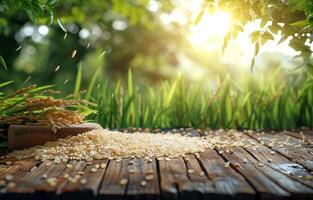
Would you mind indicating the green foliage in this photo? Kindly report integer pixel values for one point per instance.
(36, 105)
(262, 104)
(78, 80)
(37, 10)
(11, 104)
(291, 18)
(2, 62)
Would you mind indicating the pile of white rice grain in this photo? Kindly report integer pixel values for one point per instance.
(102, 143)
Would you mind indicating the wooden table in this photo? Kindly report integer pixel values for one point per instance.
(262, 172)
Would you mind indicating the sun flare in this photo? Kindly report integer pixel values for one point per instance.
(210, 26)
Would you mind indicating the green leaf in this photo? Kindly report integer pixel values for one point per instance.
(61, 25)
(37, 89)
(263, 22)
(5, 83)
(226, 39)
(252, 64)
(263, 41)
(275, 28)
(257, 49)
(212, 9)
(235, 30)
(199, 17)
(267, 35)
(255, 36)
(3, 63)
(300, 23)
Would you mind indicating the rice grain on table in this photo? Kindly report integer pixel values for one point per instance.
(102, 143)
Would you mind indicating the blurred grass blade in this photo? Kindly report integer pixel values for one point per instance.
(38, 89)
(78, 80)
(3, 63)
(5, 83)
(61, 25)
(199, 17)
(92, 83)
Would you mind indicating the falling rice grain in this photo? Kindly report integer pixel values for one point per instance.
(74, 53)
(102, 54)
(57, 68)
(88, 45)
(19, 48)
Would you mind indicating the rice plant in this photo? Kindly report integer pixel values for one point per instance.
(259, 104)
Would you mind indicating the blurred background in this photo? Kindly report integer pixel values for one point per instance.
(150, 63)
(157, 40)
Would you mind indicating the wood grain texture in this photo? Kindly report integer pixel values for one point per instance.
(110, 186)
(264, 186)
(88, 190)
(138, 186)
(298, 153)
(227, 181)
(261, 174)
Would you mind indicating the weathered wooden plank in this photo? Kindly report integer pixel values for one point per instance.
(73, 169)
(34, 184)
(168, 182)
(143, 180)
(111, 186)
(280, 163)
(175, 183)
(226, 180)
(265, 187)
(306, 136)
(297, 152)
(18, 169)
(198, 177)
(295, 188)
(86, 187)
